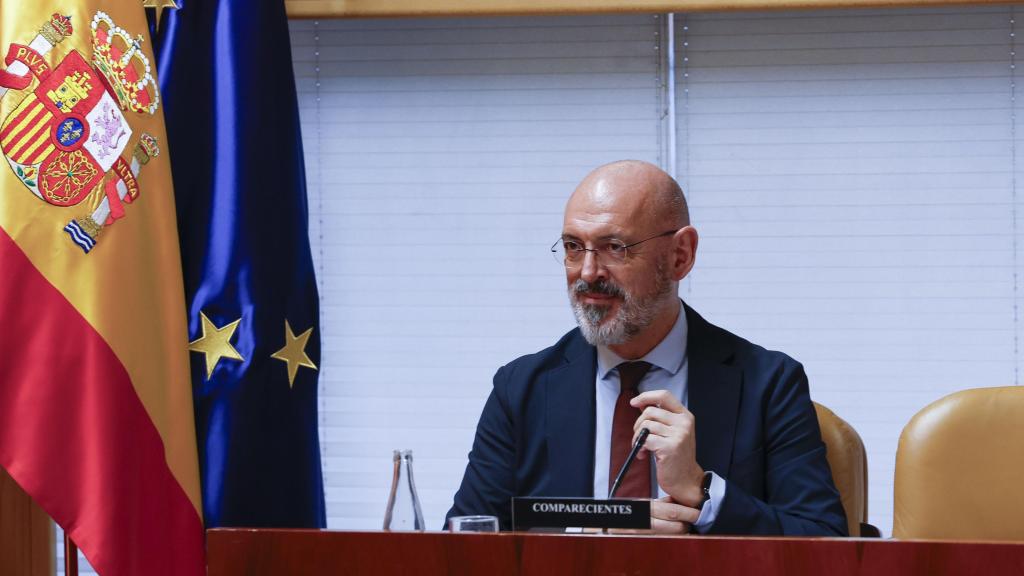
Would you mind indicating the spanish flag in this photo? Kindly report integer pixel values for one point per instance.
(96, 418)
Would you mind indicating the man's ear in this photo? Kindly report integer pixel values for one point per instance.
(684, 243)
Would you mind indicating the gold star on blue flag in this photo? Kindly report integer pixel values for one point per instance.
(215, 343)
(294, 352)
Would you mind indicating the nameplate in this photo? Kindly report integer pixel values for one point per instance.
(580, 512)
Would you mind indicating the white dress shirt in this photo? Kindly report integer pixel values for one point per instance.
(668, 372)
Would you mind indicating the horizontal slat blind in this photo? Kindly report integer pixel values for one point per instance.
(852, 175)
(453, 8)
(439, 157)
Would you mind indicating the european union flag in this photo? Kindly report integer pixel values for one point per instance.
(228, 91)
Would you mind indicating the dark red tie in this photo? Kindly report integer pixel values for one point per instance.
(637, 483)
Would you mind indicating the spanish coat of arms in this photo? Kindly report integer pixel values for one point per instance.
(65, 138)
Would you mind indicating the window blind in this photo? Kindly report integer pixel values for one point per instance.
(853, 176)
(440, 154)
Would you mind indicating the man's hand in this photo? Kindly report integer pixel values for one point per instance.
(667, 517)
(672, 442)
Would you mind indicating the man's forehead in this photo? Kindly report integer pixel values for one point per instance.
(605, 204)
(591, 230)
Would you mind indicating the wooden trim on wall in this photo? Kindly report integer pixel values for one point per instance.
(413, 8)
(26, 533)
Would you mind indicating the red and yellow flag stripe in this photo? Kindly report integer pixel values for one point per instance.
(96, 418)
(25, 133)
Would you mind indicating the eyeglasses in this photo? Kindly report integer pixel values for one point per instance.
(572, 253)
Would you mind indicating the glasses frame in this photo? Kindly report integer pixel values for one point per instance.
(597, 251)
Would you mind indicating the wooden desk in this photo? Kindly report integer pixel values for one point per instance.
(321, 552)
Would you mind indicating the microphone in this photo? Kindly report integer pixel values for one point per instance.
(640, 439)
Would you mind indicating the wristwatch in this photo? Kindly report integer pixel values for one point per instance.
(705, 488)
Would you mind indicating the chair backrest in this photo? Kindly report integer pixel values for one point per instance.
(960, 468)
(849, 465)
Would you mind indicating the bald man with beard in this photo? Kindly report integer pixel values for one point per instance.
(734, 444)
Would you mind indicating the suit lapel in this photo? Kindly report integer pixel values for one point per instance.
(570, 421)
(713, 389)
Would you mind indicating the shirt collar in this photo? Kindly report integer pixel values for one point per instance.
(668, 355)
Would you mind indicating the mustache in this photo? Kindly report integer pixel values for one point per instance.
(601, 286)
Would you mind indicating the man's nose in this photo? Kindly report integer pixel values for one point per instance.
(591, 268)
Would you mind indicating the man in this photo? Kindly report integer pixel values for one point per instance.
(733, 435)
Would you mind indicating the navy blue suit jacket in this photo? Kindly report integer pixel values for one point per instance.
(755, 427)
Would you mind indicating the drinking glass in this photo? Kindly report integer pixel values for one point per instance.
(473, 524)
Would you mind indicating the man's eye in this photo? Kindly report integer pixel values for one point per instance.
(614, 248)
(571, 246)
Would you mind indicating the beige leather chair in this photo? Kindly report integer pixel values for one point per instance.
(849, 465)
(960, 468)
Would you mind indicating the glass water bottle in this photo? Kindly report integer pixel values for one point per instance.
(403, 511)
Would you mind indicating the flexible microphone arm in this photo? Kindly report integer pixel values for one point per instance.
(644, 432)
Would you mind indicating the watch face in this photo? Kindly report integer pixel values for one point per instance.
(706, 488)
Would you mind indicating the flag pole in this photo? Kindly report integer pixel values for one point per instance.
(70, 557)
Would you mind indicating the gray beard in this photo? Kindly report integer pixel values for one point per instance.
(633, 317)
